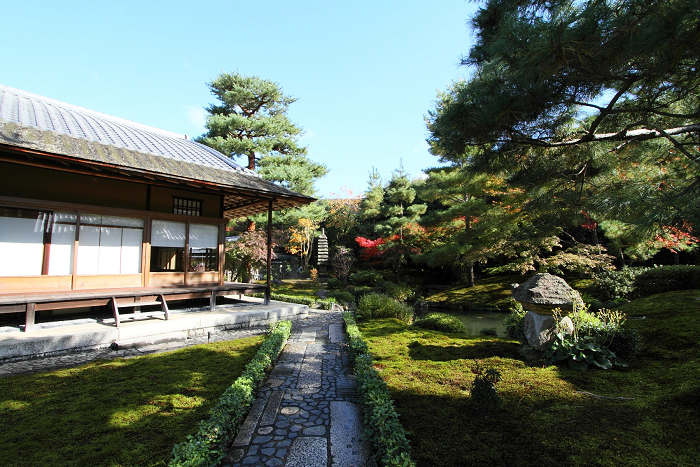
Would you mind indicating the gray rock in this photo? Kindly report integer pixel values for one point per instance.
(543, 293)
(540, 330)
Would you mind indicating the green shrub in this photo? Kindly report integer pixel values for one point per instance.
(208, 445)
(609, 286)
(325, 303)
(515, 322)
(380, 417)
(401, 292)
(381, 306)
(589, 343)
(441, 322)
(334, 283)
(342, 296)
(308, 301)
(360, 291)
(657, 280)
(483, 393)
(366, 277)
(488, 332)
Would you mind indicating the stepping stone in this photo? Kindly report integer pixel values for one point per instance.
(335, 333)
(246, 432)
(348, 448)
(273, 405)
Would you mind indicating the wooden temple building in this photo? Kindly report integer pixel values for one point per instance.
(95, 210)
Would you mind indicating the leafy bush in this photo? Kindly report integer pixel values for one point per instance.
(380, 416)
(361, 291)
(308, 301)
(441, 322)
(609, 286)
(588, 344)
(325, 303)
(657, 280)
(401, 292)
(625, 344)
(381, 306)
(366, 277)
(334, 283)
(515, 322)
(483, 393)
(208, 445)
(342, 296)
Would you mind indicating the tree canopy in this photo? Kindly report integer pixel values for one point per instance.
(251, 120)
(564, 72)
(587, 105)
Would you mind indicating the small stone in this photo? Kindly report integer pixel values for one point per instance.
(266, 430)
(261, 439)
(289, 410)
(315, 431)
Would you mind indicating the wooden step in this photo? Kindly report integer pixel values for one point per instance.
(138, 314)
(135, 304)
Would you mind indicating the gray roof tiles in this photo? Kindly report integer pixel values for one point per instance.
(52, 127)
(25, 108)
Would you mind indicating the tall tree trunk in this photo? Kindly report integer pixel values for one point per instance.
(470, 266)
(470, 275)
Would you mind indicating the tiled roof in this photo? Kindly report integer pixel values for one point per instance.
(52, 127)
(29, 109)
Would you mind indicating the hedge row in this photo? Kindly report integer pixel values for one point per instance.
(380, 416)
(323, 303)
(208, 446)
(633, 283)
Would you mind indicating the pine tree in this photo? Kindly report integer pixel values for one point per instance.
(399, 211)
(370, 207)
(251, 120)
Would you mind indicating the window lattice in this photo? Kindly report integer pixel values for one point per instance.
(187, 207)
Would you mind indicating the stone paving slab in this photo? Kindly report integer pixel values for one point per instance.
(317, 422)
(348, 448)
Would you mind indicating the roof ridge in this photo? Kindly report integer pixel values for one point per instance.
(95, 113)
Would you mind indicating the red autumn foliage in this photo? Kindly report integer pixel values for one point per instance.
(370, 248)
(590, 224)
(675, 238)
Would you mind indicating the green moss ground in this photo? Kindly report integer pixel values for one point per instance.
(489, 292)
(546, 420)
(298, 287)
(118, 412)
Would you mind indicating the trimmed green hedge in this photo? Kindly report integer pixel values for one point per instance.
(323, 303)
(665, 279)
(208, 446)
(380, 416)
(441, 322)
(376, 305)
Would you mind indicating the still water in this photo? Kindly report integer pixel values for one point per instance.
(474, 320)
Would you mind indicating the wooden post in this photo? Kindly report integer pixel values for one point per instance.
(269, 252)
(29, 320)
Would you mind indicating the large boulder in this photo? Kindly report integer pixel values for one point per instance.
(543, 293)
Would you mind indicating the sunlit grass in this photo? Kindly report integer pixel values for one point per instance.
(117, 412)
(546, 419)
(297, 287)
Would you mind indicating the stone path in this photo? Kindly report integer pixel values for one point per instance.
(306, 414)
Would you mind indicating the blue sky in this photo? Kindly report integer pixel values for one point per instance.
(365, 73)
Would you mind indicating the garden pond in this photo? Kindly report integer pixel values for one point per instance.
(474, 320)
